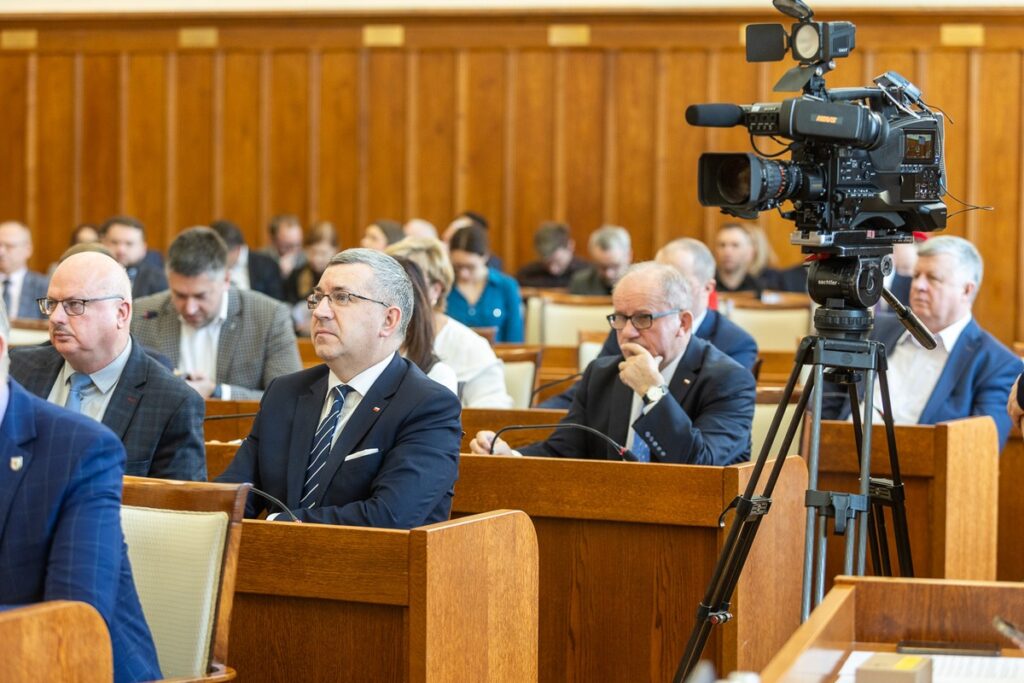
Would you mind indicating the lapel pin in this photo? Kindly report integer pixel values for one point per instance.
(16, 462)
(686, 381)
(376, 409)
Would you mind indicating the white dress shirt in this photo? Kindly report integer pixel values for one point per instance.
(240, 271)
(16, 279)
(96, 396)
(197, 350)
(360, 384)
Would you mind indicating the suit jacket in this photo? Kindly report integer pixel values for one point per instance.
(705, 420)
(411, 421)
(265, 276)
(256, 341)
(157, 416)
(148, 280)
(587, 282)
(976, 379)
(33, 287)
(60, 523)
(724, 334)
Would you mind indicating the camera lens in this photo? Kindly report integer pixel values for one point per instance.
(734, 180)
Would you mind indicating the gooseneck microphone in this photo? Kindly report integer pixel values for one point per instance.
(275, 501)
(623, 452)
(714, 115)
(231, 416)
(548, 385)
(910, 321)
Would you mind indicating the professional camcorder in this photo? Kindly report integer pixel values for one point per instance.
(867, 165)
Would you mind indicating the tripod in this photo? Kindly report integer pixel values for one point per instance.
(846, 361)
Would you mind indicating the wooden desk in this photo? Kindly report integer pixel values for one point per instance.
(58, 640)
(229, 429)
(874, 614)
(1011, 509)
(477, 419)
(449, 602)
(951, 473)
(626, 553)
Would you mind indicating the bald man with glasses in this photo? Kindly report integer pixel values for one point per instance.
(94, 366)
(668, 396)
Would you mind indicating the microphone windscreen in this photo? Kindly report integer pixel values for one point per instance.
(714, 115)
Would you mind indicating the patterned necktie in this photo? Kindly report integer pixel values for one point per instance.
(322, 442)
(79, 383)
(640, 448)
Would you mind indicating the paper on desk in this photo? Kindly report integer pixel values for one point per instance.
(951, 668)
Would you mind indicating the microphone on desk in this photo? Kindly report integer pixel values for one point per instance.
(232, 416)
(548, 385)
(275, 501)
(622, 451)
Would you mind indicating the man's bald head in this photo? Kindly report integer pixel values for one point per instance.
(92, 339)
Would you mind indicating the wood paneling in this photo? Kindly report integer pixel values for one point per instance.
(474, 110)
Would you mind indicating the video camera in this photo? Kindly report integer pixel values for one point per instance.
(867, 164)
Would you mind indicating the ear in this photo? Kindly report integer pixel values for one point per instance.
(124, 314)
(685, 322)
(392, 320)
(970, 289)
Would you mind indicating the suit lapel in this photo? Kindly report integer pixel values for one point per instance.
(959, 360)
(686, 372)
(127, 393)
(708, 325)
(362, 420)
(228, 343)
(619, 419)
(304, 424)
(17, 429)
(43, 370)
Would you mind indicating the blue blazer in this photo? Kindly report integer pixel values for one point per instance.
(724, 335)
(33, 287)
(706, 420)
(976, 379)
(412, 421)
(156, 415)
(60, 523)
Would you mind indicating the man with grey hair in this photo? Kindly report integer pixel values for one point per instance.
(969, 372)
(668, 397)
(611, 252)
(226, 343)
(366, 439)
(95, 367)
(20, 286)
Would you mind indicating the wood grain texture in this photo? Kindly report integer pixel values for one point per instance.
(55, 641)
(626, 552)
(1011, 509)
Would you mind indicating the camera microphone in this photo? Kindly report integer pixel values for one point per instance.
(714, 115)
(623, 452)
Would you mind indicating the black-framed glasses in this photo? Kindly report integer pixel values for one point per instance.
(641, 321)
(71, 306)
(338, 298)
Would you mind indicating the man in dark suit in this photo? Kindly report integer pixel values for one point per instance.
(20, 286)
(968, 373)
(611, 252)
(96, 368)
(125, 237)
(249, 269)
(693, 259)
(60, 512)
(365, 439)
(669, 397)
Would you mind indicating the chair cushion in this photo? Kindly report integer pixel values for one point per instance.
(176, 559)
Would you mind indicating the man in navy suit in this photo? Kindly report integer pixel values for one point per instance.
(365, 439)
(125, 237)
(968, 373)
(669, 397)
(157, 415)
(693, 259)
(249, 269)
(60, 519)
(19, 286)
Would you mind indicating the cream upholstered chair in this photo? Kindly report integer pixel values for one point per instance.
(590, 344)
(775, 326)
(520, 364)
(764, 410)
(183, 546)
(564, 316)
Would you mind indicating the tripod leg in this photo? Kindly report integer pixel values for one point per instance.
(813, 574)
(899, 510)
(876, 558)
(878, 514)
(865, 466)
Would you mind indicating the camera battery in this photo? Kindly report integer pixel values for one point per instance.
(895, 668)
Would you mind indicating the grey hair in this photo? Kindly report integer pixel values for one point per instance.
(965, 255)
(703, 260)
(198, 251)
(672, 285)
(610, 237)
(391, 284)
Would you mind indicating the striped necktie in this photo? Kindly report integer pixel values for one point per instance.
(322, 442)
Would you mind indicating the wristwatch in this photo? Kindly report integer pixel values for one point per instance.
(655, 394)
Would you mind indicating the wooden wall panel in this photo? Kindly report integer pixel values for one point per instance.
(295, 113)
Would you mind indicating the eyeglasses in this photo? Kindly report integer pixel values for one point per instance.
(338, 298)
(71, 306)
(641, 321)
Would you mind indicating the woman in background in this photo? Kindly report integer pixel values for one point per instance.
(483, 297)
(380, 233)
(418, 345)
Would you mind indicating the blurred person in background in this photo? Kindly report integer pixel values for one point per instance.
(321, 244)
(418, 345)
(482, 296)
(380, 233)
(557, 261)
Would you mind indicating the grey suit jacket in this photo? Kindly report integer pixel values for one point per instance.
(256, 344)
(157, 416)
(32, 287)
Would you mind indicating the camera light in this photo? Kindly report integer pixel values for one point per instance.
(807, 42)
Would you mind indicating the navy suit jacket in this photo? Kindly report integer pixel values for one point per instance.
(706, 419)
(60, 523)
(413, 422)
(157, 416)
(33, 287)
(148, 280)
(725, 335)
(265, 275)
(976, 379)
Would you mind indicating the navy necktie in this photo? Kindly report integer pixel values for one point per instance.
(7, 296)
(79, 383)
(322, 442)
